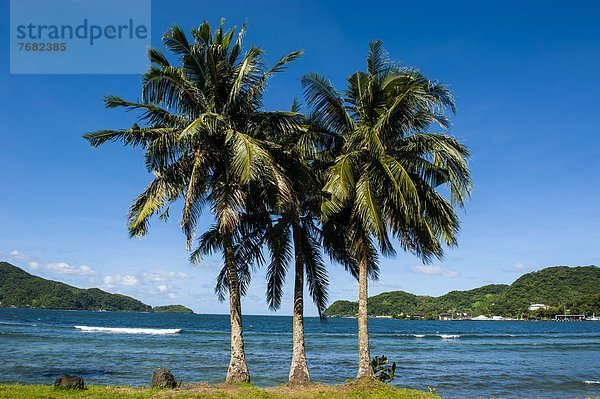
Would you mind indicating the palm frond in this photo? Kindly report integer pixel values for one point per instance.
(325, 101)
(157, 57)
(368, 210)
(134, 137)
(176, 41)
(377, 60)
(278, 241)
(194, 199)
(148, 203)
(170, 87)
(336, 241)
(316, 272)
(340, 184)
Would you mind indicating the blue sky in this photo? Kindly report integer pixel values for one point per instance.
(525, 76)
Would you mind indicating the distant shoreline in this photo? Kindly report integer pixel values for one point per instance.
(95, 311)
(278, 315)
(563, 291)
(455, 320)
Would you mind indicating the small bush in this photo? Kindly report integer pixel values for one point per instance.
(383, 371)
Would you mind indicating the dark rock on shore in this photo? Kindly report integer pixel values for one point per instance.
(67, 381)
(163, 379)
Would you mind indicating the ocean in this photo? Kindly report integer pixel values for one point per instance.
(458, 359)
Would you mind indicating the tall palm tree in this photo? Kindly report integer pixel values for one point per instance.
(203, 137)
(293, 232)
(393, 177)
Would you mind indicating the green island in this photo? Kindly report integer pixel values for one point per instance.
(354, 390)
(20, 289)
(172, 309)
(559, 289)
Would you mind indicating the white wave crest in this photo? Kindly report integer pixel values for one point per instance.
(591, 382)
(118, 330)
(449, 336)
(419, 335)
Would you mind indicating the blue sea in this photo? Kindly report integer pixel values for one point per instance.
(459, 359)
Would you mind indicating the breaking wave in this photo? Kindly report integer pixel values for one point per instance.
(449, 336)
(120, 330)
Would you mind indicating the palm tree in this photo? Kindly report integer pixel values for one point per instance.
(386, 181)
(203, 137)
(293, 232)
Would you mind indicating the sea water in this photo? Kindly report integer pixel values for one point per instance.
(459, 359)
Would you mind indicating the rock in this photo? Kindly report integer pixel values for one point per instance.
(162, 378)
(67, 381)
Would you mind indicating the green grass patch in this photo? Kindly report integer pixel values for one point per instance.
(370, 390)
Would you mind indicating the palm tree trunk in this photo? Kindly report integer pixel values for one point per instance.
(299, 369)
(238, 369)
(364, 355)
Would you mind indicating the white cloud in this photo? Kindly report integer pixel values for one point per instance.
(429, 270)
(112, 281)
(34, 265)
(63, 268)
(18, 255)
(154, 282)
(520, 267)
(162, 275)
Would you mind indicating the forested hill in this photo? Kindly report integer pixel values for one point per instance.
(23, 290)
(573, 288)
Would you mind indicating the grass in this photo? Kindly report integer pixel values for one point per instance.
(363, 390)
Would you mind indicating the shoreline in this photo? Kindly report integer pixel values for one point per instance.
(289, 316)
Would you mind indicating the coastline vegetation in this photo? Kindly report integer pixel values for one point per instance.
(180, 309)
(22, 290)
(560, 288)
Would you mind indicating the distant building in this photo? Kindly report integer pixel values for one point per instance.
(418, 315)
(492, 318)
(570, 317)
(538, 306)
(446, 316)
